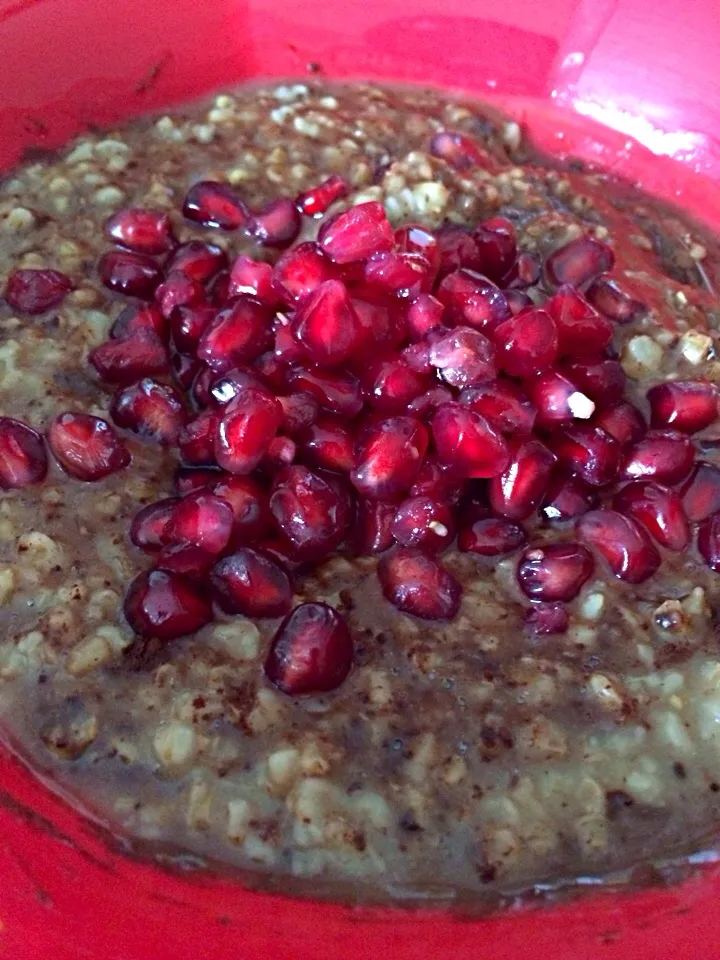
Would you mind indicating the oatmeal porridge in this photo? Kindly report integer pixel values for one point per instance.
(360, 511)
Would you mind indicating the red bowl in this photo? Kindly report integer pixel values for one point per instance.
(67, 892)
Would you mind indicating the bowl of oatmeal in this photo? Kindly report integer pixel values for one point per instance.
(360, 500)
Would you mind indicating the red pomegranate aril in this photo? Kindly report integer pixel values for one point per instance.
(607, 297)
(316, 201)
(312, 651)
(503, 405)
(463, 357)
(286, 349)
(602, 380)
(467, 442)
(457, 250)
(178, 290)
(311, 513)
(624, 545)
(276, 225)
(34, 291)
(185, 369)
(189, 479)
(196, 441)
(422, 406)
(491, 537)
(527, 343)
(554, 571)
(165, 606)
(202, 382)
(245, 429)
(203, 520)
(238, 334)
(709, 541)
(280, 453)
(520, 488)
(424, 522)
(524, 273)
(139, 319)
(249, 503)
(457, 150)
(588, 451)
(300, 411)
(663, 455)
(251, 583)
(623, 421)
(124, 361)
(701, 492)
(497, 245)
(517, 301)
(147, 530)
(186, 559)
(417, 584)
(143, 231)
(329, 444)
(414, 238)
(197, 260)
(86, 447)
(23, 458)
(301, 270)
(253, 278)
(228, 385)
(373, 527)
(437, 482)
(424, 314)
(402, 275)
(128, 273)
(272, 371)
(685, 405)
(582, 331)
(579, 262)
(544, 619)
(390, 385)
(326, 325)
(213, 204)
(658, 509)
(218, 289)
(152, 410)
(337, 392)
(567, 497)
(357, 233)
(388, 455)
(473, 299)
(416, 356)
(557, 399)
(187, 325)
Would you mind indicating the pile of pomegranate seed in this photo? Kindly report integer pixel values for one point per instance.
(376, 391)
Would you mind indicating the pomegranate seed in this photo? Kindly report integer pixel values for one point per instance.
(309, 511)
(457, 250)
(165, 606)
(128, 273)
(417, 584)
(189, 479)
(326, 324)
(287, 349)
(300, 411)
(458, 150)
(414, 238)
(607, 297)
(416, 356)
(281, 452)
(249, 503)
(579, 262)
(253, 278)
(388, 455)
(188, 324)
(517, 301)
(663, 455)
(197, 260)
(623, 421)
(601, 380)
(390, 385)
(524, 273)
(185, 369)
(658, 509)
(429, 401)
(519, 489)
(147, 529)
(472, 299)
(373, 527)
(316, 201)
(139, 320)
(34, 291)
(124, 361)
(491, 537)
(557, 399)
(701, 492)
(567, 498)
(357, 233)
(251, 583)
(151, 410)
(23, 460)
(337, 392)
(238, 333)
(245, 429)
(202, 382)
(312, 651)
(272, 370)
(547, 618)
(623, 543)
(588, 451)
(685, 405)
(402, 275)
(186, 559)
(582, 331)
(497, 245)
(329, 444)
(463, 356)
(214, 204)
(300, 271)
(526, 343)
(709, 541)
(424, 314)
(178, 290)
(203, 520)
(437, 482)
(423, 522)
(196, 441)
(143, 231)
(554, 571)
(503, 405)
(86, 447)
(466, 440)
(277, 224)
